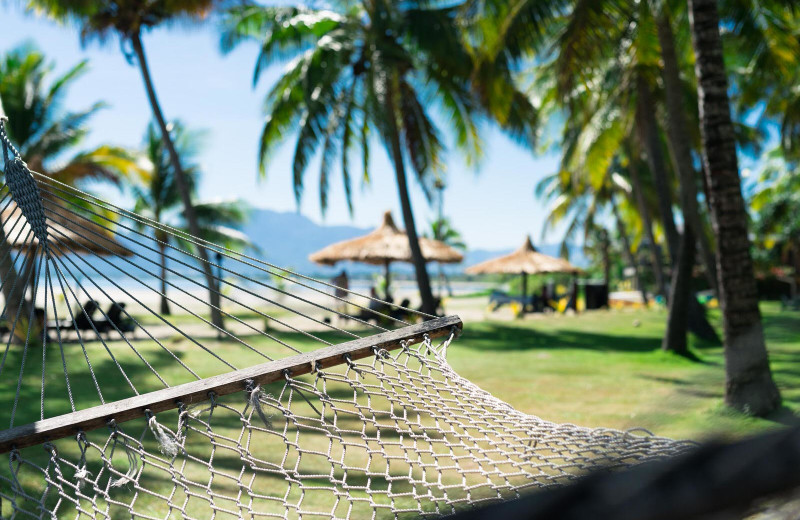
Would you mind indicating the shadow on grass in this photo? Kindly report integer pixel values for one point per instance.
(510, 337)
(785, 416)
(82, 386)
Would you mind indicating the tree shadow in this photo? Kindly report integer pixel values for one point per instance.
(785, 416)
(510, 337)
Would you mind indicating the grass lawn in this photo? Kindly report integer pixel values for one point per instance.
(598, 369)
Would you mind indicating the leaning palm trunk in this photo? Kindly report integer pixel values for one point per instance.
(680, 296)
(679, 145)
(182, 183)
(648, 131)
(749, 384)
(647, 224)
(423, 281)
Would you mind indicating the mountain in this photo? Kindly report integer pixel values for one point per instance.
(287, 238)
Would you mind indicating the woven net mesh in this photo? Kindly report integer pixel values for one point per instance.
(399, 434)
(395, 434)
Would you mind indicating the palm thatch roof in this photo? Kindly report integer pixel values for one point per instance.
(386, 244)
(68, 232)
(526, 260)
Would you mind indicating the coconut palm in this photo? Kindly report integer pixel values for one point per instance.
(776, 206)
(603, 74)
(46, 134)
(749, 384)
(158, 197)
(49, 138)
(376, 67)
(129, 19)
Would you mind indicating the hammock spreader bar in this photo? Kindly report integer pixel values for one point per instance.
(71, 424)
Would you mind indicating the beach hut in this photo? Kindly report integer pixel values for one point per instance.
(384, 245)
(524, 261)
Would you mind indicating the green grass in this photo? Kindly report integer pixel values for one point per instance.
(599, 369)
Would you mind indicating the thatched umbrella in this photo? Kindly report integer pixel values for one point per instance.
(383, 246)
(68, 230)
(524, 261)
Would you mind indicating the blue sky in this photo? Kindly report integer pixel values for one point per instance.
(492, 206)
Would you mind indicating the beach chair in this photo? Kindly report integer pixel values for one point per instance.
(119, 319)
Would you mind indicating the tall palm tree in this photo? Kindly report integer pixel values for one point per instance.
(749, 384)
(48, 137)
(375, 67)
(605, 64)
(128, 19)
(157, 196)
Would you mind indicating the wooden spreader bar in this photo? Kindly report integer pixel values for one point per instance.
(197, 391)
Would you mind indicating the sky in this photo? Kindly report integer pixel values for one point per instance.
(493, 206)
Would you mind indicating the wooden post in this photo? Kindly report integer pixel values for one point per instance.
(197, 391)
(524, 291)
(387, 276)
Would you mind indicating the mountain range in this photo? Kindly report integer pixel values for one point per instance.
(288, 238)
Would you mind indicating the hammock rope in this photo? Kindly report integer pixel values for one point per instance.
(304, 404)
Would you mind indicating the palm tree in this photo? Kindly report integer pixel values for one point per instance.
(47, 137)
(157, 197)
(44, 132)
(129, 19)
(776, 206)
(602, 74)
(376, 67)
(749, 384)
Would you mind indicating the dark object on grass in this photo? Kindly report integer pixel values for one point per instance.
(499, 298)
(596, 295)
(84, 319)
(717, 480)
(119, 319)
(790, 304)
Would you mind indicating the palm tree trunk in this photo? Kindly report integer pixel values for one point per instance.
(162, 250)
(524, 302)
(648, 131)
(627, 250)
(681, 150)
(647, 224)
(749, 384)
(387, 279)
(180, 179)
(680, 294)
(423, 281)
(13, 292)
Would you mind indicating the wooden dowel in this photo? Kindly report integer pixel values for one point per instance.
(197, 391)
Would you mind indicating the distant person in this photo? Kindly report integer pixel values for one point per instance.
(375, 301)
(546, 305)
(342, 283)
(341, 291)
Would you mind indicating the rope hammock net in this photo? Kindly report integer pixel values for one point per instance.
(124, 411)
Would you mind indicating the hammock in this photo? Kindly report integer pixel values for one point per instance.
(302, 404)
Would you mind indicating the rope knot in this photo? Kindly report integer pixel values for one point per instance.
(255, 396)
